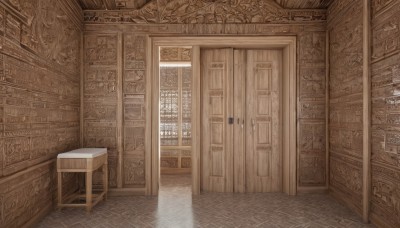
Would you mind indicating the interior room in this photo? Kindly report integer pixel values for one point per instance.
(199, 113)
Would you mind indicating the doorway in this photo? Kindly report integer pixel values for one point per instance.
(241, 120)
(175, 115)
(287, 46)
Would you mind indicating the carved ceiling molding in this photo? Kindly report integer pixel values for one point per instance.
(206, 12)
(304, 4)
(137, 4)
(111, 4)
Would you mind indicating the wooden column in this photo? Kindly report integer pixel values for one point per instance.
(119, 112)
(82, 71)
(366, 110)
(155, 146)
(327, 78)
(196, 125)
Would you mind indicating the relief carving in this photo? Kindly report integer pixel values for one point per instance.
(346, 103)
(100, 134)
(13, 29)
(312, 83)
(312, 137)
(24, 196)
(206, 12)
(385, 195)
(385, 154)
(312, 110)
(186, 162)
(347, 179)
(312, 49)
(175, 54)
(169, 162)
(39, 103)
(101, 50)
(312, 168)
(134, 173)
(134, 139)
(100, 83)
(134, 108)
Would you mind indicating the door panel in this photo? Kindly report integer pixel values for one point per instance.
(217, 107)
(263, 156)
(239, 113)
(244, 156)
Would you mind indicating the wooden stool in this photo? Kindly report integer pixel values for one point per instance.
(84, 160)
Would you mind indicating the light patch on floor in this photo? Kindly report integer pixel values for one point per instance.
(176, 207)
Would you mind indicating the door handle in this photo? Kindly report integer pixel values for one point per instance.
(253, 124)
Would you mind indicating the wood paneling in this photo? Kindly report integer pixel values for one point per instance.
(39, 102)
(311, 109)
(385, 92)
(217, 107)
(134, 100)
(263, 121)
(345, 26)
(100, 97)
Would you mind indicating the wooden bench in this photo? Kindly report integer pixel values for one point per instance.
(85, 160)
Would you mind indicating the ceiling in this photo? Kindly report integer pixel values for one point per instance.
(136, 4)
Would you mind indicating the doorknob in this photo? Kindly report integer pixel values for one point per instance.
(253, 124)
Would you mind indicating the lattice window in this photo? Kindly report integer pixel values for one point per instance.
(175, 106)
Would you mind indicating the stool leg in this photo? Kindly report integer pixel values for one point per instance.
(89, 191)
(105, 180)
(59, 190)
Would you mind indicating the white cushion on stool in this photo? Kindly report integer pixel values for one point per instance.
(83, 153)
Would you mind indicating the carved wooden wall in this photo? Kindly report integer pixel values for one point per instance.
(345, 104)
(39, 102)
(106, 30)
(385, 192)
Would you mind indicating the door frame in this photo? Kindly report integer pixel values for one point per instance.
(289, 101)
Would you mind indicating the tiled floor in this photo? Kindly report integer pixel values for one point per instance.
(175, 207)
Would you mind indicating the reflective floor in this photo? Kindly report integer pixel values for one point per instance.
(175, 207)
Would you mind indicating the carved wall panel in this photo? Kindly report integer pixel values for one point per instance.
(346, 180)
(311, 109)
(385, 194)
(312, 157)
(175, 54)
(26, 195)
(39, 102)
(385, 79)
(100, 87)
(345, 104)
(134, 89)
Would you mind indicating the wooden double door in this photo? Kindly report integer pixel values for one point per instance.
(241, 122)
